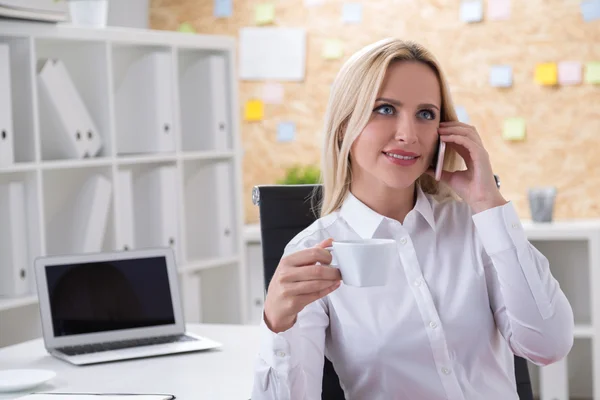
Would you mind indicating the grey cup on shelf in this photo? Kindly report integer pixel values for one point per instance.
(541, 203)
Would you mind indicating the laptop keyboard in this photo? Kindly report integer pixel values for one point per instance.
(123, 344)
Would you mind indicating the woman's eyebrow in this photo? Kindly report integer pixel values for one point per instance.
(399, 104)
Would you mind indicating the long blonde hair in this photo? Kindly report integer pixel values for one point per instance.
(353, 94)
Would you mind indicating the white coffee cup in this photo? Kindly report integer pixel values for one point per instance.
(364, 262)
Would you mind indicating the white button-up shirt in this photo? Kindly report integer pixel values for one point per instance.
(466, 292)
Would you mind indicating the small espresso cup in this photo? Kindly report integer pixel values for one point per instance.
(364, 262)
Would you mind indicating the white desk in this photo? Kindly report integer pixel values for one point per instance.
(224, 374)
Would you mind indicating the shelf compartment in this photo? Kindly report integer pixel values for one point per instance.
(154, 188)
(20, 232)
(20, 131)
(79, 210)
(143, 93)
(208, 188)
(65, 132)
(204, 100)
(11, 303)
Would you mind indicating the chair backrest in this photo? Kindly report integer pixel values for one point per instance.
(286, 210)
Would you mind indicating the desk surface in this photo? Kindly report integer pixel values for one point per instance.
(224, 374)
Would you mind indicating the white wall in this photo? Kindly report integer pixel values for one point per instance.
(128, 13)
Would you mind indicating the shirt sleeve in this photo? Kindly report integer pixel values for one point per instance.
(289, 365)
(530, 309)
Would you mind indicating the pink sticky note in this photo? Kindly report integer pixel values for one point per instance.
(498, 9)
(569, 72)
(272, 93)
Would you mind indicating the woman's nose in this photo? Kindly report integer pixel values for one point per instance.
(405, 130)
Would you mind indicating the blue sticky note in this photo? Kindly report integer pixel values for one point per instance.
(590, 10)
(501, 76)
(286, 132)
(462, 114)
(352, 13)
(223, 8)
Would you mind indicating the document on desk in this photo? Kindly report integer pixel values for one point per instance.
(95, 396)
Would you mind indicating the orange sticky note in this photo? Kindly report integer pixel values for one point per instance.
(255, 110)
(546, 74)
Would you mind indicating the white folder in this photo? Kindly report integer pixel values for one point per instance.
(205, 123)
(6, 123)
(15, 273)
(144, 106)
(81, 224)
(74, 133)
(125, 239)
(225, 211)
(155, 197)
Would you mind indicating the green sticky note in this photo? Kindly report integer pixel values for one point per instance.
(186, 27)
(333, 49)
(514, 129)
(265, 13)
(592, 72)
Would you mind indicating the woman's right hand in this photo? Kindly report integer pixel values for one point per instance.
(297, 282)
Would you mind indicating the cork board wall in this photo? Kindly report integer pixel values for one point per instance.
(562, 122)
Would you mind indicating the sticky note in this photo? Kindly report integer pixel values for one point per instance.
(590, 10)
(461, 114)
(498, 10)
(501, 76)
(186, 27)
(223, 8)
(255, 110)
(471, 11)
(272, 93)
(333, 49)
(514, 129)
(265, 13)
(569, 72)
(592, 72)
(546, 74)
(286, 131)
(352, 13)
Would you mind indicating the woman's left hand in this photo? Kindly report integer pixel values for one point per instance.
(475, 185)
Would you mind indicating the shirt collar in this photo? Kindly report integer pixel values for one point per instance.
(365, 220)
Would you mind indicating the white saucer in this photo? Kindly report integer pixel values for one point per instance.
(13, 380)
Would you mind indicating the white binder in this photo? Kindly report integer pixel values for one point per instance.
(73, 133)
(225, 211)
(15, 274)
(144, 106)
(206, 123)
(82, 221)
(125, 239)
(155, 197)
(6, 123)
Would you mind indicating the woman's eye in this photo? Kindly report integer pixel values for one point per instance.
(385, 110)
(426, 114)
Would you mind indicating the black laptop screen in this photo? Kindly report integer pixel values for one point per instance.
(109, 295)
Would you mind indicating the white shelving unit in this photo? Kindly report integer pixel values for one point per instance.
(182, 111)
(573, 250)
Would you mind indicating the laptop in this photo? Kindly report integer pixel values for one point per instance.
(102, 307)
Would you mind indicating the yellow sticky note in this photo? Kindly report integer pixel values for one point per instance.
(255, 110)
(333, 49)
(514, 129)
(265, 13)
(546, 74)
(592, 72)
(186, 27)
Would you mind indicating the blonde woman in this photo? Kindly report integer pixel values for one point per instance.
(467, 290)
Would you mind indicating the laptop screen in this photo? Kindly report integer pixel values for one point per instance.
(109, 295)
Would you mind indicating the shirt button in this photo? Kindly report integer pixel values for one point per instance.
(515, 225)
(433, 324)
(281, 354)
(445, 371)
(403, 240)
(418, 282)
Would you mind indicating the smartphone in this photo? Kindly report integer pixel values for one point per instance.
(438, 159)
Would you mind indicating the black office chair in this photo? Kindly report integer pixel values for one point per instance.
(286, 210)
